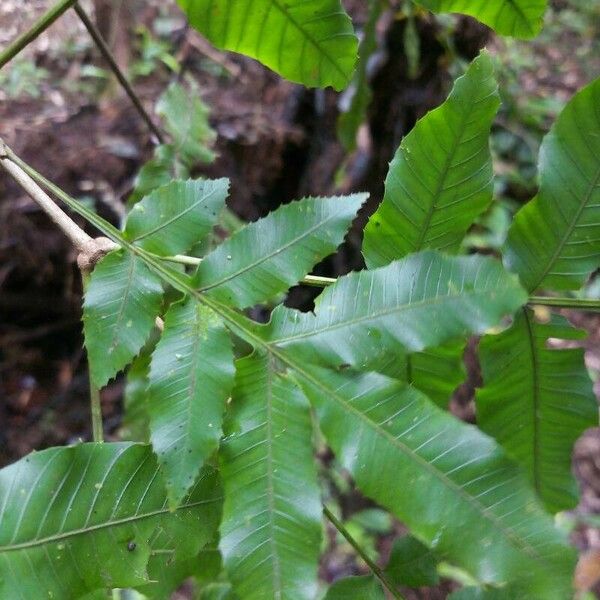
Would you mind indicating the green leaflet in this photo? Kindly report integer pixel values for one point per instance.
(312, 42)
(356, 588)
(185, 117)
(354, 115)
(448, 482)
(436, 372)
(412, 304)
(412, 564)
(441, 178)
(174, 217)
(76, 519)
(271, 530)
(554, 241)
(191, 376)
(515, 18)
(265, 258)
(122, 300)
(536, 401)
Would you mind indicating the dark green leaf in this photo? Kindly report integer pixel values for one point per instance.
(266, 257)
(356, 588)
(412, 564)
(441, 178)
(174, 217)
(271, 530)
(536, 401)
(515, 18)
(191, 377)
(73, 520)
(448, 482)
(122, 301)
(312, 43)
(415, 303)
(554, 241)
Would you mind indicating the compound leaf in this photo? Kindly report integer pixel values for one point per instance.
(266, 257)
(174, 217)
(122, 300)
(554, 241)
(441, 178)
(310, 42)
(271, 530)
(515, 18)
(452, 485)
(191, 376)
(536, 401)
(412, 304)
(77, 519)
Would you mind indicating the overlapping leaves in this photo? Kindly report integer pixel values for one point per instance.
(453, 486)
(536, 401)
(88, 517)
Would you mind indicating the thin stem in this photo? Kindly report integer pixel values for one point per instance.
(76, 235)
(9, 159)
(588, 304)
(377, 571)
(109, 58)
(193, 261)
(53, 13)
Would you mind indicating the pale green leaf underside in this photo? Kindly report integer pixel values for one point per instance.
(122, 300)
(176, 216)
(191, 376)
(536, 401)
(448, 482)
(441, 178)
(307, 41)
(554, 241)
(271, 529)
(76, 519)
(412, 304)
(266, 257)
(514, 18)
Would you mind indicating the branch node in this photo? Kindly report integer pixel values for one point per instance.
(92, 252)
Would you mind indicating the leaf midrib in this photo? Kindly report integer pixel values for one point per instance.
(108, 524)
(263, 258)
(556, 254)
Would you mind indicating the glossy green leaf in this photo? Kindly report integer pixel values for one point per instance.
(122, 301)
(412, 563)
(536, 401)
(312, 42)
(365, 587)
(412, 304)
(265, 258)
(478, 593)
(354, 114)
(191, 377)
(77, 519)
(441, 178)
(515, 18)
(554, 241)
(271, 530)
(450, 484)
(174, 217)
